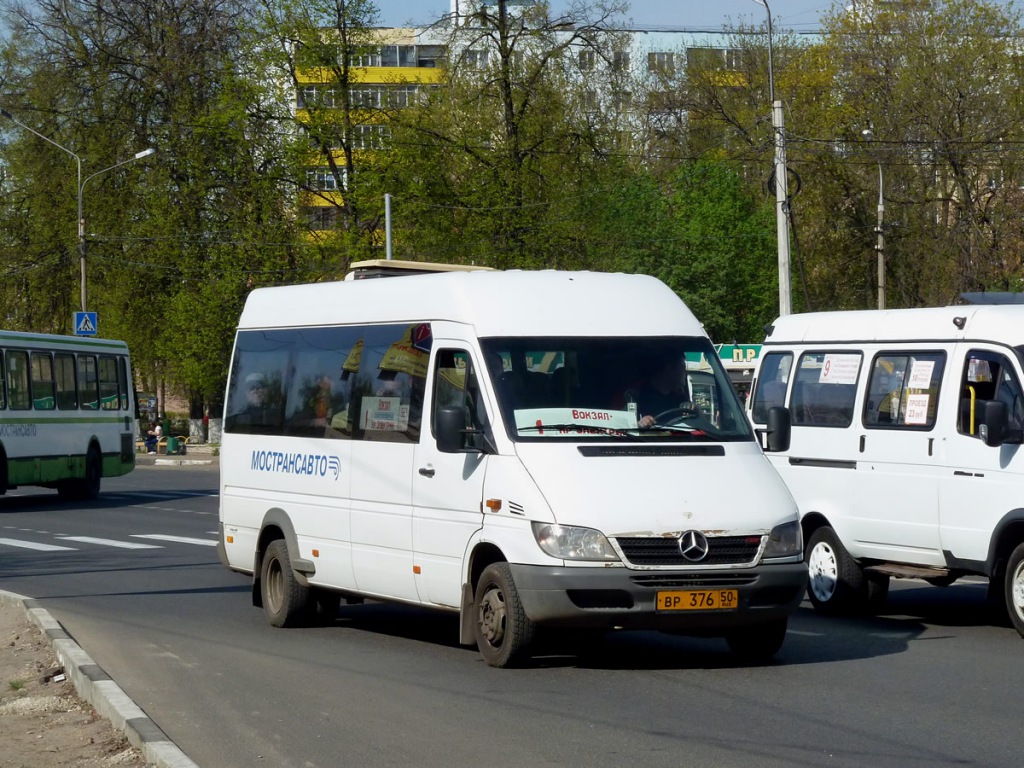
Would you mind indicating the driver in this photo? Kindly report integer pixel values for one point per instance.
(663, 390)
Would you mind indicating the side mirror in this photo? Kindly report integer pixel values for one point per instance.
(992, 424)
(450, 423)
(779, 430)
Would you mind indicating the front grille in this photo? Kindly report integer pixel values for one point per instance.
(658, 550)
(704, 580)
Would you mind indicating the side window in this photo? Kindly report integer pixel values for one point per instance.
(122, 381)
(770, 388)
(3, 384)
(824, 389)
(18, 381)
(109, 396)
(346, 382)
(43, 391)
(989, 376)
(456, 385)
(903, 390)
(88, 383)
(391, 382)
(67, 393)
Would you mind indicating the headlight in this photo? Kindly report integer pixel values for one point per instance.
(785, 540)
(571, 543)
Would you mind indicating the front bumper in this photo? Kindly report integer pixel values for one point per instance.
(602, 597)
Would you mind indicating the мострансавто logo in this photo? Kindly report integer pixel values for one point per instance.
(312, 464)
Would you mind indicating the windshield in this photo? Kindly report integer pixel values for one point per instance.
(622, 388)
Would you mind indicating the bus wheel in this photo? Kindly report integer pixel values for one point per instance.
(93, 474)
(1015, 589)
(835, 583)
(503, 631)
(759, 643)
(285, 601)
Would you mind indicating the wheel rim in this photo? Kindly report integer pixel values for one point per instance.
(275, 584)
(492, 616)
(823, 572)
(1017, 591)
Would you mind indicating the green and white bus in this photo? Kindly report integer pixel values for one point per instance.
(67, 412)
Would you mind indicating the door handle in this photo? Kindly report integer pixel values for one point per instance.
(427, 471)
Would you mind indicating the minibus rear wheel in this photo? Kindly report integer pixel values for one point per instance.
(285, 601)
(1015, 589)
(503, 630)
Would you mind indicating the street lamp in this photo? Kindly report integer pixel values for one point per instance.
(880, 246)
(781, 192)
(80, 186)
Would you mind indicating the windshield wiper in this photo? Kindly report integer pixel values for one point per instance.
(583, 429)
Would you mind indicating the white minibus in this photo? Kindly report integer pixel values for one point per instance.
(905, 455)
(505, 446)
(67, 412)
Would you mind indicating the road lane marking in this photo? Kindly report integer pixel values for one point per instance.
(109, 542)
(178, 539)
(36, 546)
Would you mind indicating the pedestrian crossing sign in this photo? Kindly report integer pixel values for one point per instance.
(86, 323)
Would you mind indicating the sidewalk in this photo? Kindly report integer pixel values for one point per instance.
(197, 454)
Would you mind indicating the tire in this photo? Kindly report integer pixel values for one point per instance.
(84, 488)
(836, 585)
(93, 474)
(285, 601)
(1014, 589)
(759, 643)
(502, 629)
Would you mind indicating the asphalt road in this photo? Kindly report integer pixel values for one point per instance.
(934, 682)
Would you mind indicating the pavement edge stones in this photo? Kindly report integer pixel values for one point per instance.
(95, 686)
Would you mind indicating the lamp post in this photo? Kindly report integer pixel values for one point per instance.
(80, 187)
(781, 191)
(879, 231)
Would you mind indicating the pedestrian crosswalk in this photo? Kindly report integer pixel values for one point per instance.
(30, 540)
(41, 539)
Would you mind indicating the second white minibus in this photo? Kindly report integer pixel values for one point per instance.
(519, 448)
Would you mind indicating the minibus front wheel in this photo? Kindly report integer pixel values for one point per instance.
(837, 585)
(1015, 589)
(503, 630)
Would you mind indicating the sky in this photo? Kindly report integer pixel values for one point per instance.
(795, 15)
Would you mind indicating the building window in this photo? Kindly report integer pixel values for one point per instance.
(319, 218)
(620, 61)
(318, 95)
(660, 61)
(587, 60)
(367, 59)
(324, 180)
(370, 136)
(475, 59)
(589, 101)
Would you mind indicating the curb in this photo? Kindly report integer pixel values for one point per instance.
(95, 686)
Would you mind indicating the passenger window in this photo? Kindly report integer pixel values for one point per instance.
(989, 376)
(88, 383)
(110, 399)
(770, 387)
(824, 389)
(17, 381)
(67, 394)
(903, 390)
(43, 394)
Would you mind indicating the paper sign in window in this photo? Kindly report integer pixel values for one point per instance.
(917, 410)
(839, 369)
(921, 374)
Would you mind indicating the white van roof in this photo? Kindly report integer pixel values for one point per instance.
(495, 303)
(1000, 323)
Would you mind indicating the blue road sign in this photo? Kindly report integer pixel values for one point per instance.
(86, 323)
